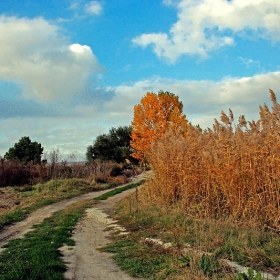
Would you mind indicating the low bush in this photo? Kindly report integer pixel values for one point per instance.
(13, 173)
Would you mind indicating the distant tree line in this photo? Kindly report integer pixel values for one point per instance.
(25, 151)
(153, 116)
(114, 146)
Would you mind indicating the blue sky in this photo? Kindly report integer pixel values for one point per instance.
(72, 69)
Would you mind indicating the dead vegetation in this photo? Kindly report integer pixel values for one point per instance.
(229, 171)
(46, 183)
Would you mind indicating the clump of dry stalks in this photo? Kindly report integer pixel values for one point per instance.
(225, 172)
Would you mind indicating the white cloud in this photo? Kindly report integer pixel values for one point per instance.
(202, 100)
(61, 134)
(93, 8)
(167, 2)
(35, 55)
(206, 25)
(77, 126)
(74, 5)
(249, 62)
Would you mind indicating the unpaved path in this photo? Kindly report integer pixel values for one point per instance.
(84, 261)
(18, 229)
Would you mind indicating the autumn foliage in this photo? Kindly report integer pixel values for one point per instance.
(155, 114)
(230, 171)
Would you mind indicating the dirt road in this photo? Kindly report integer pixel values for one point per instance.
(83, 260)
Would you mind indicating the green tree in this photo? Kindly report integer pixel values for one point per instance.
(25, 151)
(112, 146)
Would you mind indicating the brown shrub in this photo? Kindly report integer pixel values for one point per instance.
(13, 173)
(224, 171)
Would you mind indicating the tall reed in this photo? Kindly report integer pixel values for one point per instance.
(229, 171)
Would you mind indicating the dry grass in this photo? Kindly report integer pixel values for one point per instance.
(198, 246)
(230, 171)
(13, 173)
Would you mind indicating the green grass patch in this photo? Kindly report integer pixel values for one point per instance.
(156, 263)
(36, 256)
(118, 190)
(42, 194)
(248, 246)
(142, 261)
(12, 217)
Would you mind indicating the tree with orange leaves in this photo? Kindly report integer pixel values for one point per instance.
(155, 114)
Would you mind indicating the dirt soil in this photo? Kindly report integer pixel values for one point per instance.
(84, 260)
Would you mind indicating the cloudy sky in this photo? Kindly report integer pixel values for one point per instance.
(72, 69)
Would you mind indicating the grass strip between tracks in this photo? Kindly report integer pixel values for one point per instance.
(37, 255)
(118, 190)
